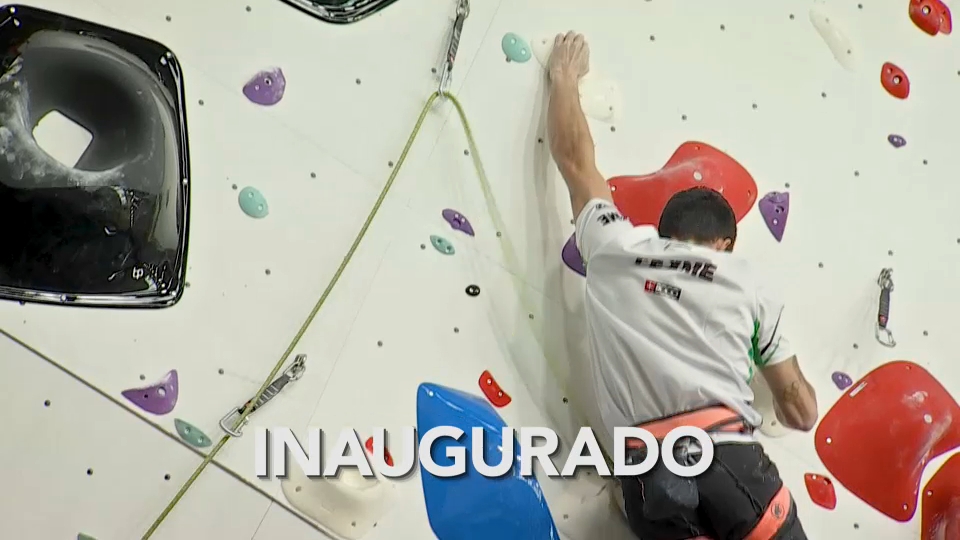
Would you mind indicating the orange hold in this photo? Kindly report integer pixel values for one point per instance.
(387, 458)
(877, 438)
(894, 81)
(492, 390)
(642, 198)
(941, 503)
(931, 16)
(820, 489)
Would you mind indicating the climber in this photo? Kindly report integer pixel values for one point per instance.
(677, 325)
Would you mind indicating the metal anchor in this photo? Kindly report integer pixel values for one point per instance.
(882, 333)
(463, 11)
(229, 422)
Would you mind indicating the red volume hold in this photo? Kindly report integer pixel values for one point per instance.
(387, 458)
(490, 388)
(895, 81)
(931, 16)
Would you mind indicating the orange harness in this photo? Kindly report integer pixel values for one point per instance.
(715, 419)
(721, 419)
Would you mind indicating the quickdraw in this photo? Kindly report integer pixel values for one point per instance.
(463, 11)
(234, 420)
(883, 334)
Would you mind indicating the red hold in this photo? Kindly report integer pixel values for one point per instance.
(490, 388)
(907, 416)
(941, 503)
(895, 81)
(820, 489)
(642, 198)
(387, 458)
(931, 16)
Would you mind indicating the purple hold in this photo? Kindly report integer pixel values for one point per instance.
(457, 221)
(158, 398)
(896, 140)
(571, 256)
(266, 88)
(841, 379)
(774, 207)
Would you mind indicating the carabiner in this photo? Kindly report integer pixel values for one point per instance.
(882, 333)
(229, 421)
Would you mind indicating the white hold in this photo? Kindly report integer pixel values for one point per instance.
(600, 97)
(348, 506)
(835, 37)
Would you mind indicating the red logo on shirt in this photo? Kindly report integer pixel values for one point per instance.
(662, 289)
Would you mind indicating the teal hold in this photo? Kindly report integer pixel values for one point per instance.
(191, 434)
(442, 245)
(253, 203)
(516, 48)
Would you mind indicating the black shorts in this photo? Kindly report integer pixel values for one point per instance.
(741, 497)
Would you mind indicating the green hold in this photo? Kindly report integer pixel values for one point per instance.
(193, 436)
(253, 203)
(515, 48)
(442, 245)
(81, 536)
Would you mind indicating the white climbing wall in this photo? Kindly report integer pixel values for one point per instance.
(754, 79)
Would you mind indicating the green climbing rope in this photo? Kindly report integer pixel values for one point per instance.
(509, 253)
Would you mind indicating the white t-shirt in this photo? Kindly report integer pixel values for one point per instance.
(672, 326)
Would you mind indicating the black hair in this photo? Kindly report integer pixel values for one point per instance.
(700, 215)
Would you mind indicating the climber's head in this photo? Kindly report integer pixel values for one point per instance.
(702, 216)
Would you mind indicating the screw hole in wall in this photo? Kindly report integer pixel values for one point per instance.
(89, 472)
(46, 403)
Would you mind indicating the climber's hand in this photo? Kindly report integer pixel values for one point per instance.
(570, 59)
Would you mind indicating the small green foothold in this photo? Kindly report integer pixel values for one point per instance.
(81, 536)
(192, 435)
(516, 48)
(442, 245)
(253, 203)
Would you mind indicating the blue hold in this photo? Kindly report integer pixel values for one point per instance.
(471, 506)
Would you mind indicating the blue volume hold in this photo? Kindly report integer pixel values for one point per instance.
(471, 506)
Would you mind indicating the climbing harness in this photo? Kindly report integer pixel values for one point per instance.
(463, 11)
(512, 261)
(232, 423)
(883, 334)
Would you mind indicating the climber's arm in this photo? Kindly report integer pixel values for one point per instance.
(572, 145)
(794, 397)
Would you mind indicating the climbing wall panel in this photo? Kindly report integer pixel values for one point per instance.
(118, 473)
(283, 181)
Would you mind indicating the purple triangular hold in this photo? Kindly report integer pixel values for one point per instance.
(457, 221)
(896, 140)
(571, 256)
(266, 88)
(841, 379)
(158, 398)
(774, 207)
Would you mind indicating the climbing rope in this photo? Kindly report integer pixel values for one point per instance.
(512, 264)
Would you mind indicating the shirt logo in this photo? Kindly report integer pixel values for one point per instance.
(661, 289)
(610, 217)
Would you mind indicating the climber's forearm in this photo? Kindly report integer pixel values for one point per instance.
(571, 145)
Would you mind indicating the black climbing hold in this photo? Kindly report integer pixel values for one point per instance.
(473, 290)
